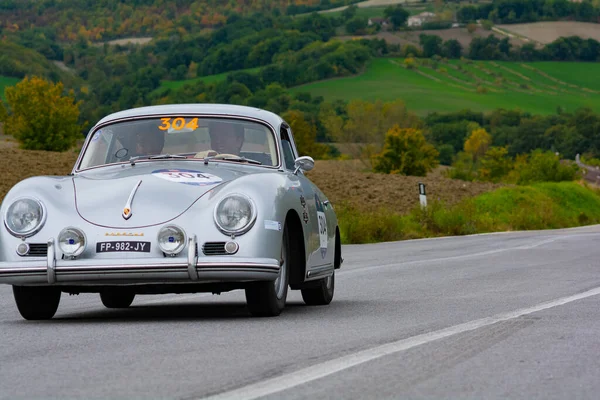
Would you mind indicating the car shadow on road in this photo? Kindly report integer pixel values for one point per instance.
(181, 312)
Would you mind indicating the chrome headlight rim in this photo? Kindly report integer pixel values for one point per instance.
(32, 231)
(81, 248)
(243, 229)
(183, 242)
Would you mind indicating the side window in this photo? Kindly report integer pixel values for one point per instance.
(288, 154)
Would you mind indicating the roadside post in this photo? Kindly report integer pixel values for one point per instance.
(422, 195)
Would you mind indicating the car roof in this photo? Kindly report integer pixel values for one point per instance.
(203, 108)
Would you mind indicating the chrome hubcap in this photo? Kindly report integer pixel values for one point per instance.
(281, 278)
(329, 282)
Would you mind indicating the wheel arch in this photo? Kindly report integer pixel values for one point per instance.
(297, 258)
(337, 261)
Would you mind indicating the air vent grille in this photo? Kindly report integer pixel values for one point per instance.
(37, 250)
(214, 248)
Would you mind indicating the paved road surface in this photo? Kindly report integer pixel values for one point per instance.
(512, 315)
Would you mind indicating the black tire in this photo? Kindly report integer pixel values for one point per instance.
(117, 299)
(267, 299)
(320, 295)
(37, 302)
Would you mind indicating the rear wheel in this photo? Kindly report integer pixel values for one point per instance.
(37, 302)
(117, 299)
(322, 294)
(267, 299)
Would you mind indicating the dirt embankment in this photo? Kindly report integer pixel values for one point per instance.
(341, 181)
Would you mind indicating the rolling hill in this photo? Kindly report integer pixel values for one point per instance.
(539, 87)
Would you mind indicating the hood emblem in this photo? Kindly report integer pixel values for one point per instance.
(127, 211)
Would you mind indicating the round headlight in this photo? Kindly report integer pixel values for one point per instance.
(171, 239)
(235, 214)
(71, 241)
(24, 217)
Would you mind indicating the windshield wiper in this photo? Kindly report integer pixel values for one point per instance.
(162, 156)
(237, 158)
(132, 160)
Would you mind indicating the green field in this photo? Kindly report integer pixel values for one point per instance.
(538, 87)
(207, 79)
(4, 82)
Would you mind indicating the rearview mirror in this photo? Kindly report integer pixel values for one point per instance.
(305, 163)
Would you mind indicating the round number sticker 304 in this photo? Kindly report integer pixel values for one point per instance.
(187, 176)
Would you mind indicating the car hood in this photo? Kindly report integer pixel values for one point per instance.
(159, 193)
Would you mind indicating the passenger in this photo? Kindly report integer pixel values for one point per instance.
(226, 137)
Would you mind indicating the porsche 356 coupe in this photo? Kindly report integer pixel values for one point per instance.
(179, 198)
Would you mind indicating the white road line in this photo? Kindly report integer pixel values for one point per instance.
(459, 257)
(326, 368)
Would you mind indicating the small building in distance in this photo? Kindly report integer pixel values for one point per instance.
(419, 19)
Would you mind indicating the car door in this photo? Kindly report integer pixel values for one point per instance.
(320, 246)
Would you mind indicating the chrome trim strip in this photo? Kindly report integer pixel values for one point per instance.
(51, 262)
(127, 210)
(320, 271)
(192, 258)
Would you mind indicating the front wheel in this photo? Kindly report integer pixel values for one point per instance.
(267, 299)
(117, 299)
(322, 294)
(37, 302)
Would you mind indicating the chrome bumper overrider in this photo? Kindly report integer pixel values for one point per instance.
(141, 270)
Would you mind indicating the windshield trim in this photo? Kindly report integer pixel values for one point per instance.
(77, 166)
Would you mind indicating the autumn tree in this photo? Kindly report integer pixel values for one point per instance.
(495, 164)
(478, 143)
(3, 112)
(305, 135)
(363, 132)
(40, 116)
(406, 152)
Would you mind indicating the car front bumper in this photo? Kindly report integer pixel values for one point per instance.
(138, 271)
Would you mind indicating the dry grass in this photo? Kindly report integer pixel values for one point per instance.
(547, 32)
(344, 182)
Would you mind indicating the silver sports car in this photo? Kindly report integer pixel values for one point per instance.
(178, 198)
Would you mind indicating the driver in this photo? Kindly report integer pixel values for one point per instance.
(149, 143)
(226, 137)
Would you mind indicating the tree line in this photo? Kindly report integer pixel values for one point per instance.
(520, 11)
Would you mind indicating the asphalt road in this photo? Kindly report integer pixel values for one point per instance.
(513, 315)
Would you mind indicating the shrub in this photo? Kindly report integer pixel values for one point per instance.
(463, 167)
(410, 63)
(406, 152)
(487, 24)
(446, 154)
(40, 117)
(542, 166)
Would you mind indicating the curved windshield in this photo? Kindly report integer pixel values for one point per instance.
(226, 139)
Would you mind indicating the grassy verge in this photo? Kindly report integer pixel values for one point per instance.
(538, 206)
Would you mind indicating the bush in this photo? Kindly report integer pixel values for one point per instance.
(40, 117)
(446, 154)
(410, 63)
(487, 24)
(406, 152)
(542, 166)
